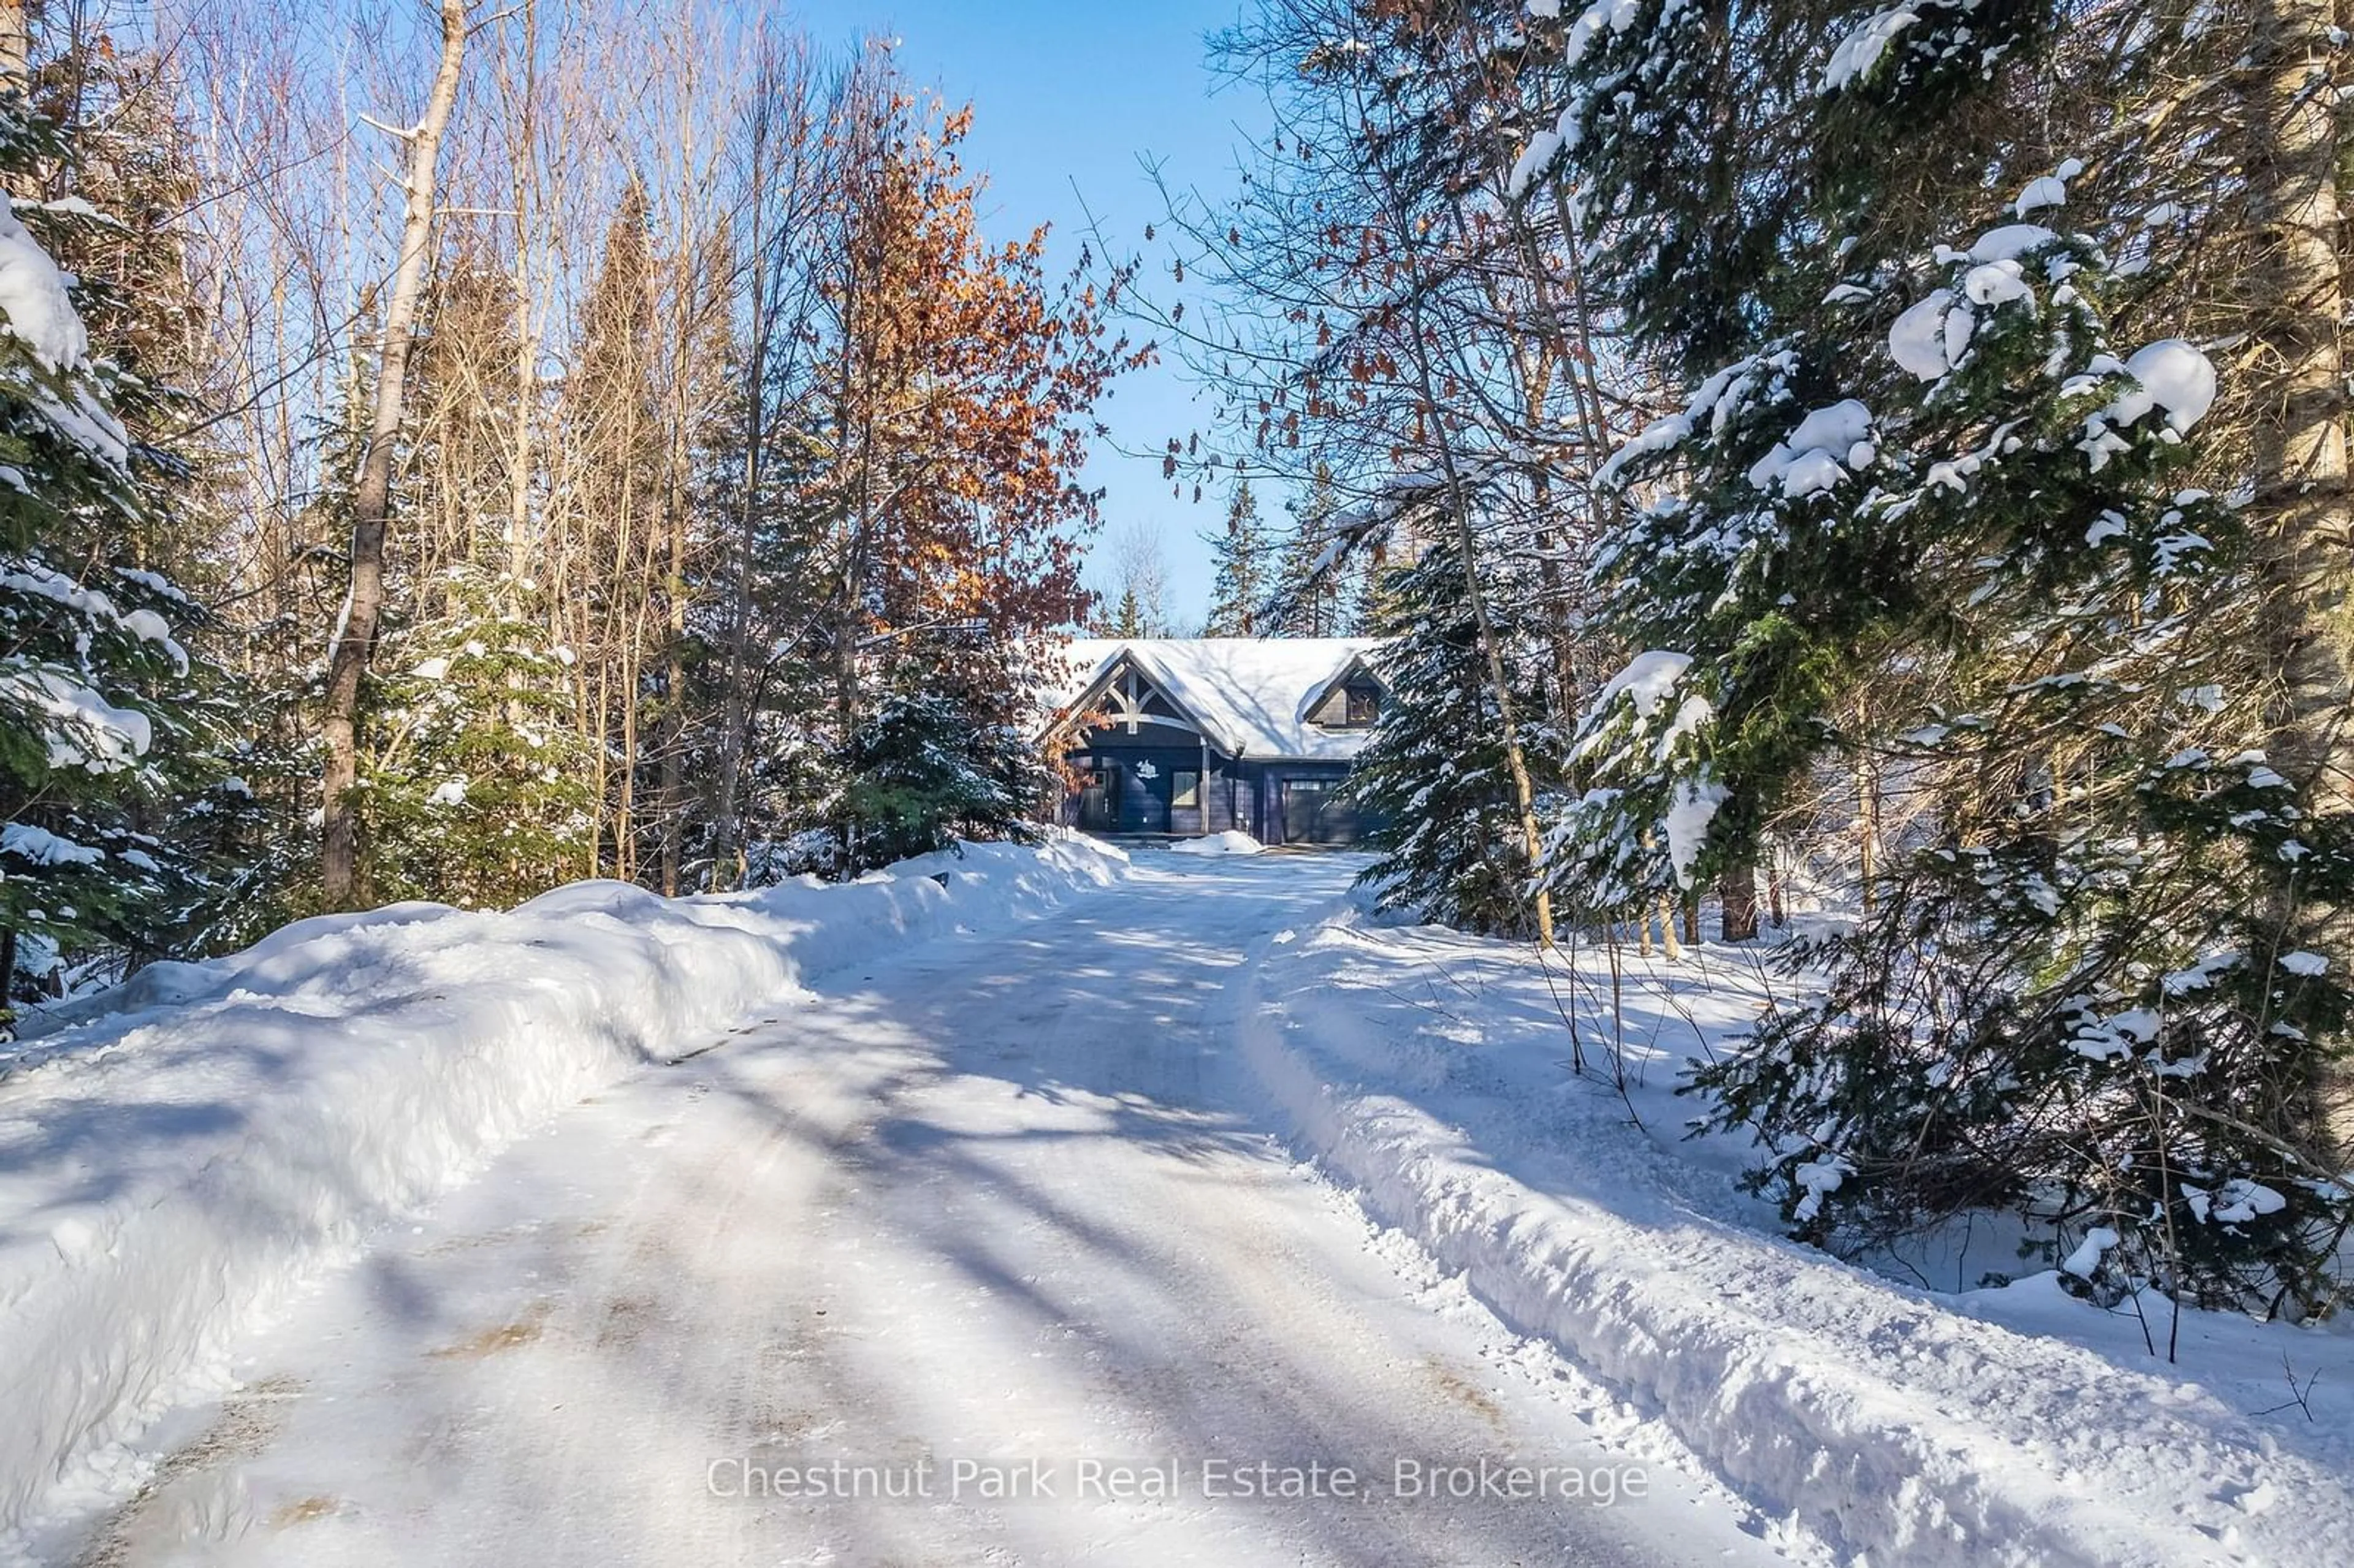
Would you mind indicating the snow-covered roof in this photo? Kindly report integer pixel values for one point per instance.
(1250, 695)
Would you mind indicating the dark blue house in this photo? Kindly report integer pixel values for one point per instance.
(1193, 737)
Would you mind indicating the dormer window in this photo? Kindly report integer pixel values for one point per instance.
(1354, 702)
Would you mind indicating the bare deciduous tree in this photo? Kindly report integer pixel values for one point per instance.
(356, 632)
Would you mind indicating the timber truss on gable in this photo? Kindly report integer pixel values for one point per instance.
(1127, 698)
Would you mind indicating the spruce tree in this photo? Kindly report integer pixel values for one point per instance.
(474, 787)
(615, 420)
(1433, 781)
(106, 185)
(1240, 591)
(111, 716)
(1311, 594)
(946, 757)
(1367, 606)
(475, 781)
(1129, 619)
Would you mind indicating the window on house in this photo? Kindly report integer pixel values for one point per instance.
(1365, 706)
(1185, 787)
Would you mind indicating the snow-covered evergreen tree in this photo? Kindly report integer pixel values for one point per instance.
(1433, 780)
(1636, 834)
(101, 707)
(944, 758)
(474, 787)
(1949, 443)
(474, 784)
(112, 200)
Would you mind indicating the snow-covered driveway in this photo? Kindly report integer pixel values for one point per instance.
(1009, 1199)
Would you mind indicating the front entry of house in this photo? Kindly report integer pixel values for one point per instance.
(1150, 779)
(1156, 790)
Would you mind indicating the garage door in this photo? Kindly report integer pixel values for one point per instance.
(1314, 812)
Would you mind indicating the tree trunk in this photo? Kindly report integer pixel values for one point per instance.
(673, 714)
(2300, 452)
(1516, 761)
(1867, 828)
(735, 723)
(526, 367)
(16, 46)
(2300, 435)
(736, 718)
(625, 810)
(354, 638)
(1738, 890)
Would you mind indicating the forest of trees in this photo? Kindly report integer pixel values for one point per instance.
(1900, 448)
(488, 468)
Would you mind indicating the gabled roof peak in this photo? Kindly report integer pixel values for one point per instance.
(1249, 695)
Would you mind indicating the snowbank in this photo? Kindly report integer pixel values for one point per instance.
(2007, 1425)
(1234, 841)
(169, 1176)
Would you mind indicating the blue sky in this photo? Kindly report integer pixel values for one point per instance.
(1076, 93)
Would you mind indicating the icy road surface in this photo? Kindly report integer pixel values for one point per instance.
(996, 1214)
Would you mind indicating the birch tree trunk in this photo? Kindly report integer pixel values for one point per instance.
(16, 46)
(355, 636)
(2301, 489)
(673, 717)
(2300, 448)
(527, 343)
